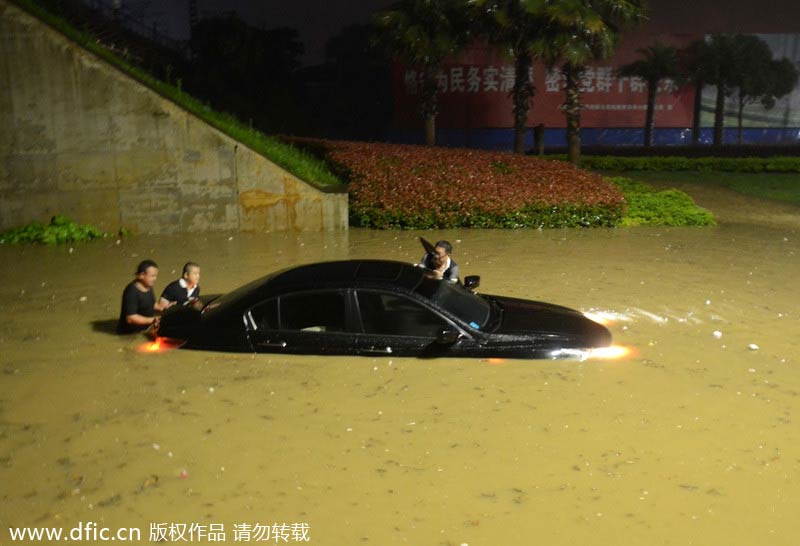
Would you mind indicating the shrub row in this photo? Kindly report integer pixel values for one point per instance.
(700, 150)
(60, 230)
(702, 164)
(659, 208)
(415, 187)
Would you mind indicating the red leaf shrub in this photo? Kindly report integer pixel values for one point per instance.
(423, 187)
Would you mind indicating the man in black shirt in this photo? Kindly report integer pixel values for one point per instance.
(139, 305)
(186, 289)
(438, 261)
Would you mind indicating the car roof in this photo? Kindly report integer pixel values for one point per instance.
(345, 273)
(350, 272)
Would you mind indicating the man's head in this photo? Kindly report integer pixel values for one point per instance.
(191, 273)
(147, 273)
(440, 252)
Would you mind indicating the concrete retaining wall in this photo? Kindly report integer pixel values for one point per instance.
(81, 138)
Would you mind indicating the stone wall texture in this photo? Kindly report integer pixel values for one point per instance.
(80, 137)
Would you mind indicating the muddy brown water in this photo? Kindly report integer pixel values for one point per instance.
(691, 440)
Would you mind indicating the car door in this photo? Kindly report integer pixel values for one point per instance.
(306, 322)
(394, 324)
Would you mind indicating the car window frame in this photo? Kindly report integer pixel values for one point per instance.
(347, 293)
(420, 301)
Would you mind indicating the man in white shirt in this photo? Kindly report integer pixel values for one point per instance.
(183, 290)
(439, 262)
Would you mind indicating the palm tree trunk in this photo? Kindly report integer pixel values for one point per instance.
(719, 115)
(522, 94)
(739, 119)
(428, 102)
(650, 121)
(430, 130)
(572, 112)
(697, 111)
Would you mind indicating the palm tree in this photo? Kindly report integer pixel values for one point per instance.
(693, 63)
(759, 77)
(720, 66)
(422, 33)
(658, 62)
(517, 26)
(582, 31)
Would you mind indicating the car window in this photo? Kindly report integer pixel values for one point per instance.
(264, 316)
(390, 314)
(318, 311)
(457, 300)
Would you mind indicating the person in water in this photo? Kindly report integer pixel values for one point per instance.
(439, 262)
(183, 290)
(139, 307)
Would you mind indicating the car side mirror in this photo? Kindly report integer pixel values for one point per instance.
(448, 336)
(472, 282)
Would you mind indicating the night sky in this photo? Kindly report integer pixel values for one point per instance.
(318, 20)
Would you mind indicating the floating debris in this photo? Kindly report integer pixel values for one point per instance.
(150, 481)
(753, 347)
(717, 334)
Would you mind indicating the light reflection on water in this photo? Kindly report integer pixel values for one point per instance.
(689, 440)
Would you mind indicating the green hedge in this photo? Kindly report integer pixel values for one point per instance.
(60, 230)
(527, 217)
(702, 164)
(647, 207)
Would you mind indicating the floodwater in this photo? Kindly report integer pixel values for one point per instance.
(689, 440)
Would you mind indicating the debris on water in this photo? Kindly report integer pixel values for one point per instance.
(83, 298)
(150, 481)
(717, 334)
(753, 347)
(156, 446)
(184, 474)
(110, 501)
(211, 390)
(708, 302)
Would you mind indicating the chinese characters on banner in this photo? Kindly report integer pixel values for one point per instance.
(475, 92)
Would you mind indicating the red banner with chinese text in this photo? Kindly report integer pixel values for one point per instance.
(475, 87)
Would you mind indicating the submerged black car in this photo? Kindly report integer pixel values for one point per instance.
(371, 307)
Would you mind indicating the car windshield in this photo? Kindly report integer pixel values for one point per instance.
(457, 300)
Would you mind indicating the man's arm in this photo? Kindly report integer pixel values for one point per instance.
(162, 304)
(140, 320)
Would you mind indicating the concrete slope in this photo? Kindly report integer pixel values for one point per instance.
(79, 137)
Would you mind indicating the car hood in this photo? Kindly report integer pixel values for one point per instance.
(526, 317)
